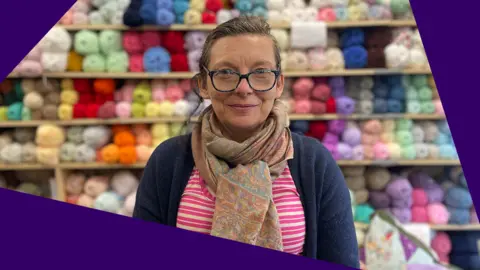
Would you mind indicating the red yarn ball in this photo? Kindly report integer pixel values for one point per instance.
(82, 85)
(318, 129)
(214, 5)
(209, 17)
(92, 110)
(174, 42)
(79, 110)
(331, 105)
(179, 62)
(85, 98)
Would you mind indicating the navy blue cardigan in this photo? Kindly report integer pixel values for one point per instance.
(330, 230)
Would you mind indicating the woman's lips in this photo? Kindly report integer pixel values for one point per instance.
(242, 107)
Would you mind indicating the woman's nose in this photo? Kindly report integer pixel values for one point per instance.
(244, 87)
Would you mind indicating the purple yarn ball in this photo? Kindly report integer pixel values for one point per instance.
(332, 148)
(404, 215)
(403, 203)
(345, 105)
(435, 193)
(420, 179)
(330, 138)
(345, 151)
(378, 199)
(399, 189)
(336, 126)
(337, 82)
(352, 136)
(357, 152)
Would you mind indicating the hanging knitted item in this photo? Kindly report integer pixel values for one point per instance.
(389, 246)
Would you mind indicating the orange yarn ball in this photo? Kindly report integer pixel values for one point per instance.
(73, 199)
(110, 153)
(104, 86)
(75, 61)
(117, 128)
(124, 138)
(128, 155)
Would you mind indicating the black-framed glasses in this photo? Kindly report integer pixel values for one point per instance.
(226, 80)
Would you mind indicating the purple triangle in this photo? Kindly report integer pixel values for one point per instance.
(408, 246)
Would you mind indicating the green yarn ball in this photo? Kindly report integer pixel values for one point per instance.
(427, 107)
(110, 41)
(3, 113)
(86, 42)
(412, 93)
(117, 62)
(413, 106)
(409, 152)
(26, 114)
(425, 94)
(404, 124)
(138, 110)
(399, 7)
(94, 63)
(404, 137)
(419, 81)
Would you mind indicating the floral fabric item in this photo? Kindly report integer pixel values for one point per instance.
(240, 175)
(389, 246)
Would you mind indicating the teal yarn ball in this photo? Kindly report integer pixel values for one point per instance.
(14, 112)
(409, 152)
(425, 93)
(412, 93)
(18, 90)
(427, 107)
(363, 213)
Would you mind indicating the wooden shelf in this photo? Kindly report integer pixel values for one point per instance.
(189, 75)
(105, 166)
(209, 27)
(446, 227)
(180, 119)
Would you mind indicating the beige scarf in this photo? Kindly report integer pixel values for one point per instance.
(244, 209)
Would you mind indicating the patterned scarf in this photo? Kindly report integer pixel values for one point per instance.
(244, 209)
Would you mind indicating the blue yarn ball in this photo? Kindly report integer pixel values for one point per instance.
(458, 216)
(243, 6)
(180, 7)
(380, 90)
(441, 138)
(398, 92)
(394, 80)
(165, 4)
(149, 14)
(444, 127)
(165, 17)
(156, 59)
(260, 12)
(447, 151)
(458, 197)
(355, 57)
(380, 105)
(394, 106)
(149, 2)
(180, 18)
(352, 37)
(462, 180)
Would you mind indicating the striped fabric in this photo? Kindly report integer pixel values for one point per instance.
(197, 206)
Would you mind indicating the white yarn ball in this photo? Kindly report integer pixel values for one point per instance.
(320, 3)
(282, 37)
(56, 40)
(296, 4)
(274, 16)
(54, 62)
(96, 18)
(335, 59)
(417, 59)
(81, 6)
(396, 56)
(310, 14)
(181, 108)
(277, 5)
(224, 15)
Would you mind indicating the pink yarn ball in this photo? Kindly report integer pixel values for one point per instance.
(419, 214)
(318, 107)
(381, 151)
(372, 127)
(158, 95)
(303, 106)
(35, 54)
(150, 39)
(80, 18)
(321, 92)
(326, 14)
(419, 197)
(369, 139)
(132, 42)
(174, 93)
(67, 18)
(441, 243)
(143, 152)
(302, 88)
(438, 213)
(127, 92)
(123, 109)
(438, 107)
(186, 85)
(135, 63)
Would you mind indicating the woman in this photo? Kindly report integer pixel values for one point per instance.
(241, 174)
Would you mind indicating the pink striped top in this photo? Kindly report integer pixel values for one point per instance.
(197, 207)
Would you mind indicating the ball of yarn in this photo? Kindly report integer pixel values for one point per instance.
(437, 213)
(399, 188)
(458, 197)
(363, 213)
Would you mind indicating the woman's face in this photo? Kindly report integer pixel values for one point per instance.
(244, 109)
